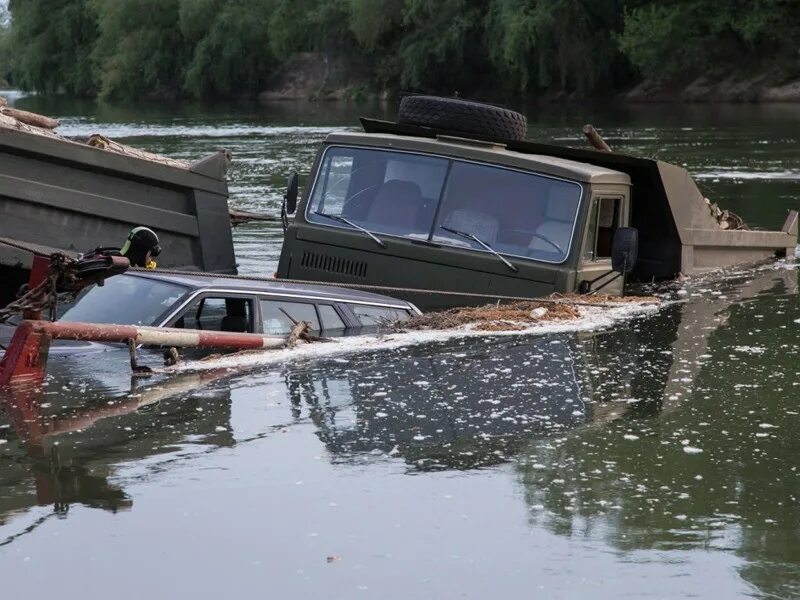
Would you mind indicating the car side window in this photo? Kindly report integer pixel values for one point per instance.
(377, 315)
(216, 313)
(330, 319)
(278, 316)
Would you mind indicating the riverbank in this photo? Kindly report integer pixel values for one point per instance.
(734, 87)
(318, 77)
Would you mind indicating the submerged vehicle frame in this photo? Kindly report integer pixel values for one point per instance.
(225, 304)
(416, 208)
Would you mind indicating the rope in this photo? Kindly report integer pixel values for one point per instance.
(358, 286)
(377, 288)
(21, 246)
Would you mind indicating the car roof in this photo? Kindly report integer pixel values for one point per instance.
(489, 152)
(203, 281)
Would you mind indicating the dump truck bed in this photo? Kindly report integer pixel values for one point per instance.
(64, 194)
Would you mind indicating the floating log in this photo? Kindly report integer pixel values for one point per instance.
(595, 139)
(100, 141)
(30, 118)
(242, 216)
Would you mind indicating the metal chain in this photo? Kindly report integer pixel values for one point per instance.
(45, 295)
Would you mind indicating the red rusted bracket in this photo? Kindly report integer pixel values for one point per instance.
(25, 360)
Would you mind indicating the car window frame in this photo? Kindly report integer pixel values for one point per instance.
(204, 293)
(162, 317)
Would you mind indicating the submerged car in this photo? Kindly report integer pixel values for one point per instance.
(236, 304)
(451, 198)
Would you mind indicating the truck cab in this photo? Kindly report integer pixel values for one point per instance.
(455, 215)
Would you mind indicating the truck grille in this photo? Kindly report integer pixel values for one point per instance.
(333, 264)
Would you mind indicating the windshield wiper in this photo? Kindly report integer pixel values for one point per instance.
(469, 236)
(353, 225)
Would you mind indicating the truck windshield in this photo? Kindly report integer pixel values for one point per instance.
(427, 197)
(124, 300)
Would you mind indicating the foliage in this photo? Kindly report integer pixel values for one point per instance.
(563, 42)
(5, 51)
(228, 46)
(443, 42)
(686, 37)
(216, 48)
(139, 48)
(51, 44)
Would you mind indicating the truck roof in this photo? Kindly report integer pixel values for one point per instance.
(483, 151)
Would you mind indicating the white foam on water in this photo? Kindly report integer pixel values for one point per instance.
(592, 318)
(782, 175)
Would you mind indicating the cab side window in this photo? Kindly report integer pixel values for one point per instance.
(216, 313)
(603, 223)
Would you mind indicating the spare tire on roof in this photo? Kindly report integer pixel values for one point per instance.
(463, 116)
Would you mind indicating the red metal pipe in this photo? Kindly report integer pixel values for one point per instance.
(26, 358)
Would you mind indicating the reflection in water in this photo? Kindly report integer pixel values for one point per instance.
(716, 471)
(463, 405)
(72, 444)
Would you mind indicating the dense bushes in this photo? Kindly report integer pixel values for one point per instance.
(214, 48)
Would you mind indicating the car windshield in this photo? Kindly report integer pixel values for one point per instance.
(428, 197)
(125, 300)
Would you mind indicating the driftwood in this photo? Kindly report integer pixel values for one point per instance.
(242, 216)
(30, 118)
(595, 139)
(726, 218)
(298, 333)
(102, 142)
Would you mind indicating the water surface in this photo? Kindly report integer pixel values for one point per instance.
(655, 458)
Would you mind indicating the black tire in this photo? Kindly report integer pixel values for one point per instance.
(463, 116)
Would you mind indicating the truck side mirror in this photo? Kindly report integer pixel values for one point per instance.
(290, 199)
(624, 250)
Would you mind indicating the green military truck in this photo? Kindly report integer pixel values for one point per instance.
(451, 198)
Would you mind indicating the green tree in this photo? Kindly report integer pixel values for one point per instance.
(376, 23)
(442, 48)
(5, 46)
(230, 46)
(140, 50)
(687, 37)
(52, 42)
(568, 44)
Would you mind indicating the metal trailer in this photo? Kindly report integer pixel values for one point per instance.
(63, 195)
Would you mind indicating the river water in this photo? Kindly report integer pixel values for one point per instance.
(652, 457)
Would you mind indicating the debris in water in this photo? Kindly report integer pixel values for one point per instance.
(515, 316)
